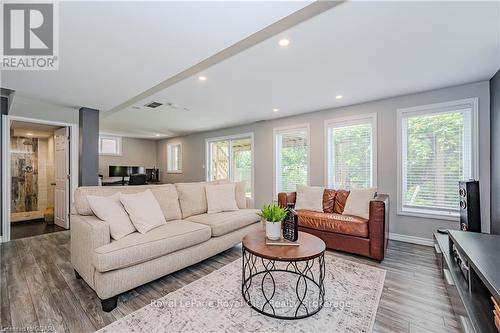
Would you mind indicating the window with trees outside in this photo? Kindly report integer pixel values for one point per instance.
(437, 150)
(231, 158)
(291, 166)
(351, 152)
(174, 158)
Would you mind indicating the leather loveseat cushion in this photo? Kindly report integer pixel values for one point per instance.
(342, 224)
(136, 248)
(226, 222)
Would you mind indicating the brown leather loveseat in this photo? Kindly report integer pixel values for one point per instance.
(344, 232)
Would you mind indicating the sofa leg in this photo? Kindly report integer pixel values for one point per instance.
(77, 275)
(109, 304)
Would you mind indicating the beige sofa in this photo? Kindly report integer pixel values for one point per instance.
(190, 235)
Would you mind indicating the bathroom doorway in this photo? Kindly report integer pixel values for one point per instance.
(39, 178)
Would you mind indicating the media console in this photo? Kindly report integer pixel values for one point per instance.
(470, 264)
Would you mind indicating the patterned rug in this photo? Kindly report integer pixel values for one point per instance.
(214, 303)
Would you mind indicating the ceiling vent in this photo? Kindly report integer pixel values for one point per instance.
(153, 105)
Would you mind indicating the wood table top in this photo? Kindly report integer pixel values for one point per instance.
(310, 247)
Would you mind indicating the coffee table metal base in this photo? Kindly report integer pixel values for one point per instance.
(303, 269)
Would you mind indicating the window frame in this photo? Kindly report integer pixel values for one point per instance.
(290, 129)
(349, 121)
(170, 146)
(208, 141)
(436, 108)
(118, 140)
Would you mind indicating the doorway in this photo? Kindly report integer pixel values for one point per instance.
(38, 177)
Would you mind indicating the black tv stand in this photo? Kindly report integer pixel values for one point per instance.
(472, 280)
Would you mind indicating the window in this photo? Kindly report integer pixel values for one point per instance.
(174, 158)
(291, 165)
(351, 152)
(231, 158)
(437, 148)
(110, 145)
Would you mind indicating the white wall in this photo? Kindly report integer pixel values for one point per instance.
(135, 152)
(36, 109)
(194, 151)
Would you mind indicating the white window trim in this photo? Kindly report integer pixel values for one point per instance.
(169, 146)
(352, 120)
(118, 142)
(285, 129)
(471, 103)
(230, 137)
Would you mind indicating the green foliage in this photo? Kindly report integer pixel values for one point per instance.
(294, 166)
(273, 213)
(435, 160)
(352, 156)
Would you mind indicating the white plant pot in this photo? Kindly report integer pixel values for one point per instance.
(273, 230)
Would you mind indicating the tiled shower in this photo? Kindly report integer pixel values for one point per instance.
(32, 177)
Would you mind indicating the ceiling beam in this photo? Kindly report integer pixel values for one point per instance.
(278, 27)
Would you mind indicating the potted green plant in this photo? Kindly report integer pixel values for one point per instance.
(274, 215)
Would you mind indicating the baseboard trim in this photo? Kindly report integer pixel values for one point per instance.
(411, 239)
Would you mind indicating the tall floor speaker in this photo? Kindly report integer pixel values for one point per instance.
(470, 213)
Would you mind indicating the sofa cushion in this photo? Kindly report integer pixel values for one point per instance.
(342, 224)
(310, 198)
(340, 200)
(220, 198)
(329, 200)
(192, 198)
(358, 202)
(166, 195)
(225, 222)
(136, 247)
(143, 209)
(110, 210)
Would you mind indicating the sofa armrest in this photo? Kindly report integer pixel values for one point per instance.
(250, 202)
(378, 225)
(285, 198)
(87, 234)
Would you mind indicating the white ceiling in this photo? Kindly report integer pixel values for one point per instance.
(111, 51)
(361, 50)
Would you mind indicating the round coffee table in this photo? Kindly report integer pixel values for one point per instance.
(261, 260)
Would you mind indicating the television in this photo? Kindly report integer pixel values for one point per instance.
(125, 171)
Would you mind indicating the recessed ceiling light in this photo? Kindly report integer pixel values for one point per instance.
(157, 134)
(202, 78)
(275, 110)
(339, 97)
(29, 134)
(284, 42)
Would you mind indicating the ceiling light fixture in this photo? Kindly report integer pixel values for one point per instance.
(202, 78)
(29, 134)
(338, 97)
(275, 110)
(157, 134)
(284, 42)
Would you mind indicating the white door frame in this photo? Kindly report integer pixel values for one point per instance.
(6, 172)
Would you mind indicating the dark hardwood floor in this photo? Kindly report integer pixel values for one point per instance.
(32, 228)
(38, 289)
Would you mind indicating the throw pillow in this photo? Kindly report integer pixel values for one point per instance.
(192, 198)
(221, 198)
(329, 200)
(358, 202)
(110, 210)
(310, 198)
(144, 210)
(340, 200)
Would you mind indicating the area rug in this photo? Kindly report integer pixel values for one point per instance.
(214, 303)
